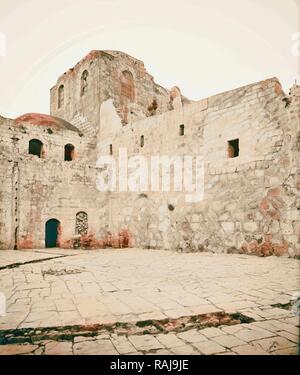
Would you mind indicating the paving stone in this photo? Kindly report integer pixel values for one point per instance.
(160, 352)
(83, 338)
(13, 349)
(248, 335)
(228, 341)
(248, 350)
(192, 336)
(289, 336)
(145, 342)
(184, 350)
(169, 340)
(209, 347)
(288, 351)
(211, 332)
(203, 309)
(123, 345)
(274, 313)
(70, 318)
(157, 315)
(58, 348)
(282, 326)
(232, 307)
(251, 314)
(273, 343)
(231, 329)
(100, 347)
(178, 313)
(267, 325)
(295, 321)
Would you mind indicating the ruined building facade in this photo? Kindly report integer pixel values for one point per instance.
(248, 137)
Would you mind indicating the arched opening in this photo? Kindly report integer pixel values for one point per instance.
(51, 233)
(81, 223)
(35, 147)
(69, 152)
(61, 96)
(84, 82)
(127, 85)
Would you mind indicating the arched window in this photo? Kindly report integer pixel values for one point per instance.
(35, 147)
(61, 96)
(127, 85)
(81, 223)
(69, 152)
(84, 82)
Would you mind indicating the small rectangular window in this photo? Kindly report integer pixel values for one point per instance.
(233, 149)
(110, 149)
(142, 141)
(181, 129)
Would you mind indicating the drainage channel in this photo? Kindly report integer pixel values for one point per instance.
(144, 327)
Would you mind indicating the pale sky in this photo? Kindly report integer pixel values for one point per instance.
(203, 46)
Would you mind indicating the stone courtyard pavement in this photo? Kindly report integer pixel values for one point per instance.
(134, 301)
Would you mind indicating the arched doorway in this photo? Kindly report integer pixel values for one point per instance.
(51, 233)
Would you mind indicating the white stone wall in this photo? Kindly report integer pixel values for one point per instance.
(250, 201)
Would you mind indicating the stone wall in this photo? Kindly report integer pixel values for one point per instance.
(34, 190)
(250, 202)
(111, 74)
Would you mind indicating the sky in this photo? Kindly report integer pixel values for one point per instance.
(203, 46)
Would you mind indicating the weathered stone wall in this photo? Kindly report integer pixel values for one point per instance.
(111, 74)
(250, 203)
(60, 192)
(8, 187)
(34, 190)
